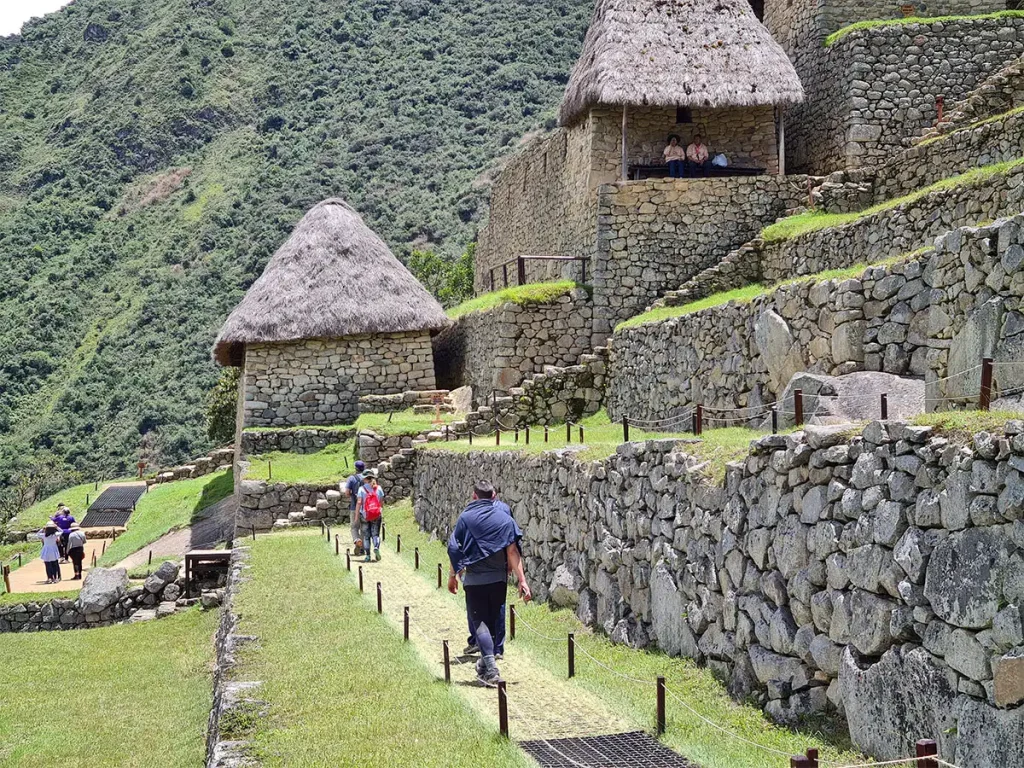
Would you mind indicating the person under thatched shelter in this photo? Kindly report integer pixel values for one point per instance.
(654, 67)
(334, 316)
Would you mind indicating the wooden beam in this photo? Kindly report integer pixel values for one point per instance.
(625, 144)
(782, 141)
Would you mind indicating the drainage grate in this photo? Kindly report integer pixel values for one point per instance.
(107, 518)
(620, 750)
(118, 497)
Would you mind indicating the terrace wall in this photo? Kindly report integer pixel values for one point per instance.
(820, 575)
(302, 441)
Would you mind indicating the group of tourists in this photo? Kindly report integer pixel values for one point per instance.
(366, 505)
(691, 161)
(63, 540)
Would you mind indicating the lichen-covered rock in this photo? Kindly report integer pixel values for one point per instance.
(965, 577)
(102, 588)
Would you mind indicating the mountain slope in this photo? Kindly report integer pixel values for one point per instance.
(154, 155)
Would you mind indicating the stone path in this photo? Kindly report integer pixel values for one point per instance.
(216, 523)
(541, 705)
(31, 577)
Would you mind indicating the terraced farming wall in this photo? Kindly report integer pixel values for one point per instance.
(880, 575)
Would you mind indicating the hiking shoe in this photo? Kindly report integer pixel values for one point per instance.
(481, 668)
(499, 656)
(489, 678)
(366, 559)
(377, 555)
(471, 650)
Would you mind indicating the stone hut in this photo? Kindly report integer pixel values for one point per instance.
(334, 316)
(651, 68)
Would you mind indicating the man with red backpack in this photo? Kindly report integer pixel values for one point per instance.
(369, 506)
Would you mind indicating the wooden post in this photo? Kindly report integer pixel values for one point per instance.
(521, 270)
(512, 622)
(471, 436)
(383, 530)
(926, 748)
(360, 578)
(693, 422)
(799, 761)
(985, 400)
(700, 420)
(398, 543)
(337, 546)
(517, 436)
(583, 440)
(104, 547)
(527, 434)
(545, 433)
(798, 407)
(625, 143)
(625, 429)
(812, 756)
(254, 533)
(572, 655)
(885, 407)
(504, 272)
(497, 435)
(270, 470)
(492, 279)
(447, 662)
(568, 433)
(775, 421)
(150, 557)
(661, 705)
(348, 559)
(327, 528)
(782, 141)
(502, 709)
(380, 599)
(405, 623)
(416, 557)
(438, 575)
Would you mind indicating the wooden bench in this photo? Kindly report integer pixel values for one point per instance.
(201, 562)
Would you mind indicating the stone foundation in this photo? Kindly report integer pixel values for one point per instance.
(302, 441)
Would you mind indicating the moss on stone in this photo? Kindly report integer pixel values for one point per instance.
(535, 293)
(873, 23)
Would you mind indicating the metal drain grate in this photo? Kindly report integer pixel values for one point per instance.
(620, 750)
(118, 497)
(109, 518)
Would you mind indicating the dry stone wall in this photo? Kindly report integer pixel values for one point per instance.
(494, 350)
(320, 381)
(933, 316)
(879, 575)
(204, 465)
(301, 441)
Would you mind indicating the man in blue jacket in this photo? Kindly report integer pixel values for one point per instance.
(484, 548)
(499, 631)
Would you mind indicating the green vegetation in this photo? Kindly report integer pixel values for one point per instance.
(450, 281)
(331, 465)
(222, 407)
(29, 550)
(168, 507)
(697, 687)
(972, 126)
(403, 423)
(77, 500)
(812, 221)
(116, 696)
(24, 598)
(343, 703)
(131, 226)
(961, 426)
(535, 293)
(873, 23)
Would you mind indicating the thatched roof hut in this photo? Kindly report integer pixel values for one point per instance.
(678, 53)
(334, 277)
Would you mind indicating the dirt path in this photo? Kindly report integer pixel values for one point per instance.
(31, 577)
(217, 522)
(541, 705)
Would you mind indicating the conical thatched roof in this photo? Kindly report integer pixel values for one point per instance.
(333, 277)
(682, 53)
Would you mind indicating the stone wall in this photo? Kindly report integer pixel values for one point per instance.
(204, 465)
(655, 235)
(493, 350)
(878, 575)
(302, 441)
(320, 381)
(1001, 92)
(934, 316)
(542, 204)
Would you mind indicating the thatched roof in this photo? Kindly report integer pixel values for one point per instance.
(333, 277)
(678, 53)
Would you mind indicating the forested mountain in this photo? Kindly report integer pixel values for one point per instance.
(153, 155)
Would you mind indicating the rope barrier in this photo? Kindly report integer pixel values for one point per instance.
(525, 623)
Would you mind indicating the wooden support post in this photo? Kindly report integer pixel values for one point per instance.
(812, 755)
(438, 575)
(521, 270)
(497, 436)
(405, 623)
(348, 559)
(799, 761)
(985, 400)
(383, 531)
(798, 407)
(254, 533)
(380, 598)
(572, 655)
(360, 578)
(625, 429)
(625, 143)
(398, 543)
(492, 280)
(512, 622)
(661, 706)
(527, 434)
(270, 470)
(545, 433)
(693, 422)
(150, 557)
(782, 141)
(337, 546)
(926, 748)
(447, 661)
(327, 528)
(885, 407)
(775, 421)
(416, 557)
(471, 436)
(502, 709)
(583, 440)
(104, 547)
(568, 433)
(504, 273)
(700, 420)
(517, 436)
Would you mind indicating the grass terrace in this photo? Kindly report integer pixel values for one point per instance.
(342, 686)
(977, 124)
(835, 37)
(962, 426)
(813, 221)
(402, 423)
(165, 508)
(696, 740)
(111, 697)
(331, 465)
(534, 293)
(77, 499)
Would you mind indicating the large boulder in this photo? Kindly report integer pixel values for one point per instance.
(965, 577)
(668, 617)
(987, 736)
(853, 397)
(907, 695)
(102, 588)
(781, 354)
(565, 587)
(161, 577)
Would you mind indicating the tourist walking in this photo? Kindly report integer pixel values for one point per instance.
(76, 549)
(351, 488)
(484, 549)
(499, 631)
(370, 506)
(63, 519)
(51, 552)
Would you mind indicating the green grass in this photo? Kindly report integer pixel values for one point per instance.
(873, 23)
(972, 126)
(28, 550)
(165, 508)
(402, 423)
(698, 687)
(113, 697)
(535, 293)
(75, 498)
(303, 428)
(24, 598)
(342, 687)
(331, 465)
(716, 447)
(813, 221)
(961, 426)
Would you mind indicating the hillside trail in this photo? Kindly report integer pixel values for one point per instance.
(541, 705)
(214, 525)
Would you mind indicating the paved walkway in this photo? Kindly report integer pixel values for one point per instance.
(541, 705)
(31, 577)
(216, 524)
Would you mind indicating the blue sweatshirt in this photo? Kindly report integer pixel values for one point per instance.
(483, 529)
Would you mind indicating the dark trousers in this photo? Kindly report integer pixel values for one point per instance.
(484, 603)
(52, 569)
(62, 544)
(77, 555)
(499, 631)
(676, 169)
(698, 169)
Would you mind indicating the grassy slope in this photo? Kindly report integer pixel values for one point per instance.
(686, 734)
(971, 126)
(138, 691)
(77, 499)
(343, 688)
(330, 465)
(165, 508)
(536, 293)
(873, 23)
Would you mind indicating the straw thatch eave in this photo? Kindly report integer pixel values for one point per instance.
(333, 277)
(678, 53)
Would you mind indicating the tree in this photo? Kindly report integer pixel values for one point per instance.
(451, 282)
(221, 407)
(45, 475)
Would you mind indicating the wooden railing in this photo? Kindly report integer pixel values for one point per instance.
(520, 269)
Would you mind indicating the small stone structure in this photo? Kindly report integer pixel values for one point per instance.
(877, 574)
(301, 441)
(204, 465)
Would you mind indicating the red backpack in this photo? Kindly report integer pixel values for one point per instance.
(371, 505)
